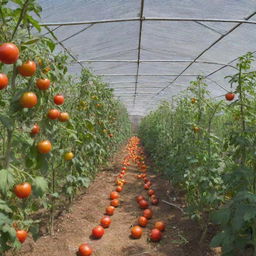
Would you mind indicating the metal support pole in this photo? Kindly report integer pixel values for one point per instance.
(139, 49)
(144, 75)
(156, 61)
(204, 51)
(75, 23)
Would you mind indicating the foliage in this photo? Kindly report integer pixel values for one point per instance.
(207, 147)
(98, 124)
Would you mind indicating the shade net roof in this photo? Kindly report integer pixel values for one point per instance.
(149, 50)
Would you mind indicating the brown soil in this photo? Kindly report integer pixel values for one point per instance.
(74, 227)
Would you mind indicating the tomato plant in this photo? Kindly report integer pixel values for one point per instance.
(34, 77)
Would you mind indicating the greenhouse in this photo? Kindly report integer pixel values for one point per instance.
(127, 127)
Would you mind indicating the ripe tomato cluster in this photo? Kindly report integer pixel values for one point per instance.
(136, 231)
(9, 54)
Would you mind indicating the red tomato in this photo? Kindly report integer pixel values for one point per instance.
(44, 146)
(3, 81)
(98, 232)
(119, 189)
(114, 195)
(146, 180)
(35, 130)
(63, 117)
(155, 201)
(124, 168)
(9, 53)
(155, 235)
(115, 202)
(105, 222)
(230, 96)
(58, 99)
(53, 114)
(143, 221)
(85, 250)
(139, 176)
(21, 235)
(148, 213)
(146, 186)
(110, 210)
(43, 84)
(143, 204)
(139, 198)
(28, 100)
(160, 225)
(28, 68)
(136, 232)
(23, 190)
(151, 192)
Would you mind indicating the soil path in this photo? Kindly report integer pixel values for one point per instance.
(73, 228)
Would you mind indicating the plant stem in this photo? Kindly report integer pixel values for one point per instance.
(241, 111)
(8, 148)
(22, 14)
(14, 75)
(53, 203)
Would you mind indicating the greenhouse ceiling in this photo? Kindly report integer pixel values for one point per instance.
(149, 50)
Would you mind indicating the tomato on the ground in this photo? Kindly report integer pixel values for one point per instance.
(85, 250)
(98, 232)
(105, 222)
(110, 210)
(155, 235)
(136, 232)
(143, 221)
(160, 225)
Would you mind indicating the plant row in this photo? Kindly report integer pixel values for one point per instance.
(206, 147)
(56, 129)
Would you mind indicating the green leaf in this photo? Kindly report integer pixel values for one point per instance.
(69, 190)
(221, 216)
(31, 41)
(55, 195)
(40, 186)
(6, 121)
(4, 219)
(89, 125)
(217, 239)
(34, 229)
(4, 207)
(34, 22)
(50, 44)
(6, 180)
(10, 231)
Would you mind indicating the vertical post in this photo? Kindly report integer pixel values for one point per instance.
(139, 49)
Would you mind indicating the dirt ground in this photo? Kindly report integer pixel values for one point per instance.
(74, 227)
